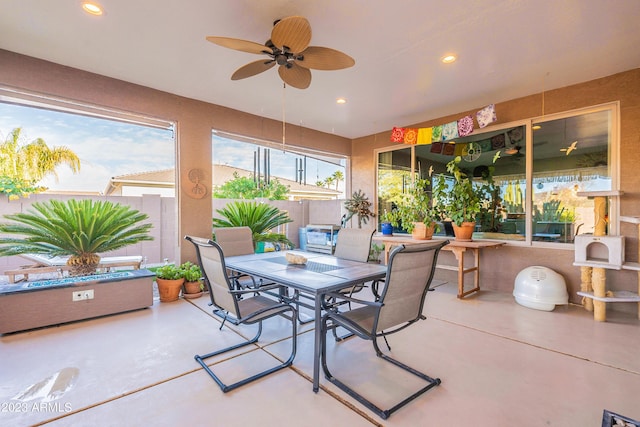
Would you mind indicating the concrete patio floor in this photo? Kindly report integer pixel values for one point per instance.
(501, 364)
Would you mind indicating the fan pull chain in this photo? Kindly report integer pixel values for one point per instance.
(284, 86)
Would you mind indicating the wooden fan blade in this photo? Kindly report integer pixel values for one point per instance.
(252, 68)
(324, 58)
(238, 44)
(295, 76)
(293, 32)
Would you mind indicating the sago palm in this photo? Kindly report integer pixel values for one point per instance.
(261, 218)
(82, 229)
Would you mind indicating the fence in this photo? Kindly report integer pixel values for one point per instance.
(162, 214)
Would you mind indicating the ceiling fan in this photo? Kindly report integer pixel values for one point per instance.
(289, 48)
(515, 152)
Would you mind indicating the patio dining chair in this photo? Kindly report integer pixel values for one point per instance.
(409, 275)
(237, 241)
(352, 244)
(248, 310)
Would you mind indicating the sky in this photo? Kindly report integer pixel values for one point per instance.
(110, 148)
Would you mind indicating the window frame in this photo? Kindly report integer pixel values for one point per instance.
(528, 123)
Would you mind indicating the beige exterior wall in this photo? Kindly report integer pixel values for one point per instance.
(499, 267)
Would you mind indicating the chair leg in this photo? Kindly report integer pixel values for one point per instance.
(226, 388)
(382, 413)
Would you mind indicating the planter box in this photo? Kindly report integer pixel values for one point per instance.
(31, 305)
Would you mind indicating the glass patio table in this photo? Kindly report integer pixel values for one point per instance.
(319, 275)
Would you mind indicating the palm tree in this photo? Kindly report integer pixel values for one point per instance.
(33, 161)
(337, 177)
(80, 228)
(328, 181)
(259, 217)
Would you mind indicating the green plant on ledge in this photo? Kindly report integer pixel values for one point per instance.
(463, 201)
(416, 205)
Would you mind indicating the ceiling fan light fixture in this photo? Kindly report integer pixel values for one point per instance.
(92, 8)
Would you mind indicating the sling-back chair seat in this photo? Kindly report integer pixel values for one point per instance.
(400, 304)
(250, 309)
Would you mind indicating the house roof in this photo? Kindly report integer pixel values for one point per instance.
(165, 178)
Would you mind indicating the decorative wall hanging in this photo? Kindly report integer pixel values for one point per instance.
(194, 184)
(486, 116)
(397, 135)
(424, 136)
(450, 131)
(436, 147)
(449, 149)
(497, 142)
(436, 133)
(410, 136)
(465, 126)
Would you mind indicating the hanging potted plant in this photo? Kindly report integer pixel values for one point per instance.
(169, 279)
(416, 212)
(461, 201)
(193, 286)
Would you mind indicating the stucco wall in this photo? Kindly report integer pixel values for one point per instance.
(499, 267)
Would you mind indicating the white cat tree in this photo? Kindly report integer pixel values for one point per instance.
(596, 252)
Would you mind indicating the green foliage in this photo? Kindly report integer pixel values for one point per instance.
(375, 251)
(463, 202)
(74, 227)
(28, 163)
(244, 187)
(360, 206)
(259, 217)
(416, 205)
(191, 272)
(16, 187)
(169, 272)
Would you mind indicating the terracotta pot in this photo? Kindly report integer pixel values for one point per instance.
(464, 232)
(169, 290)
(192, 290)
(422, 231)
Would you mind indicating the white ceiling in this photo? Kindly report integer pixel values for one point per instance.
(506, 49)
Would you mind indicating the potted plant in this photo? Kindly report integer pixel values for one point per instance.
(80, 229)
(386, 226)
(193, 286)
(261, 218)
(360, 206)
(169, 279)
(416, 212)
(461, 202)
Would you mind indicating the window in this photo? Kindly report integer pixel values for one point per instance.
(308, 174)
(537, 171)
(110, 144)
(571, 155)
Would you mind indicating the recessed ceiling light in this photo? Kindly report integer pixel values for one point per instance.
(449, 59)
(92, 8)
(536, 127)
(341, 101)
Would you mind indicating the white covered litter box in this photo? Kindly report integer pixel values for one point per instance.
(540, 288)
